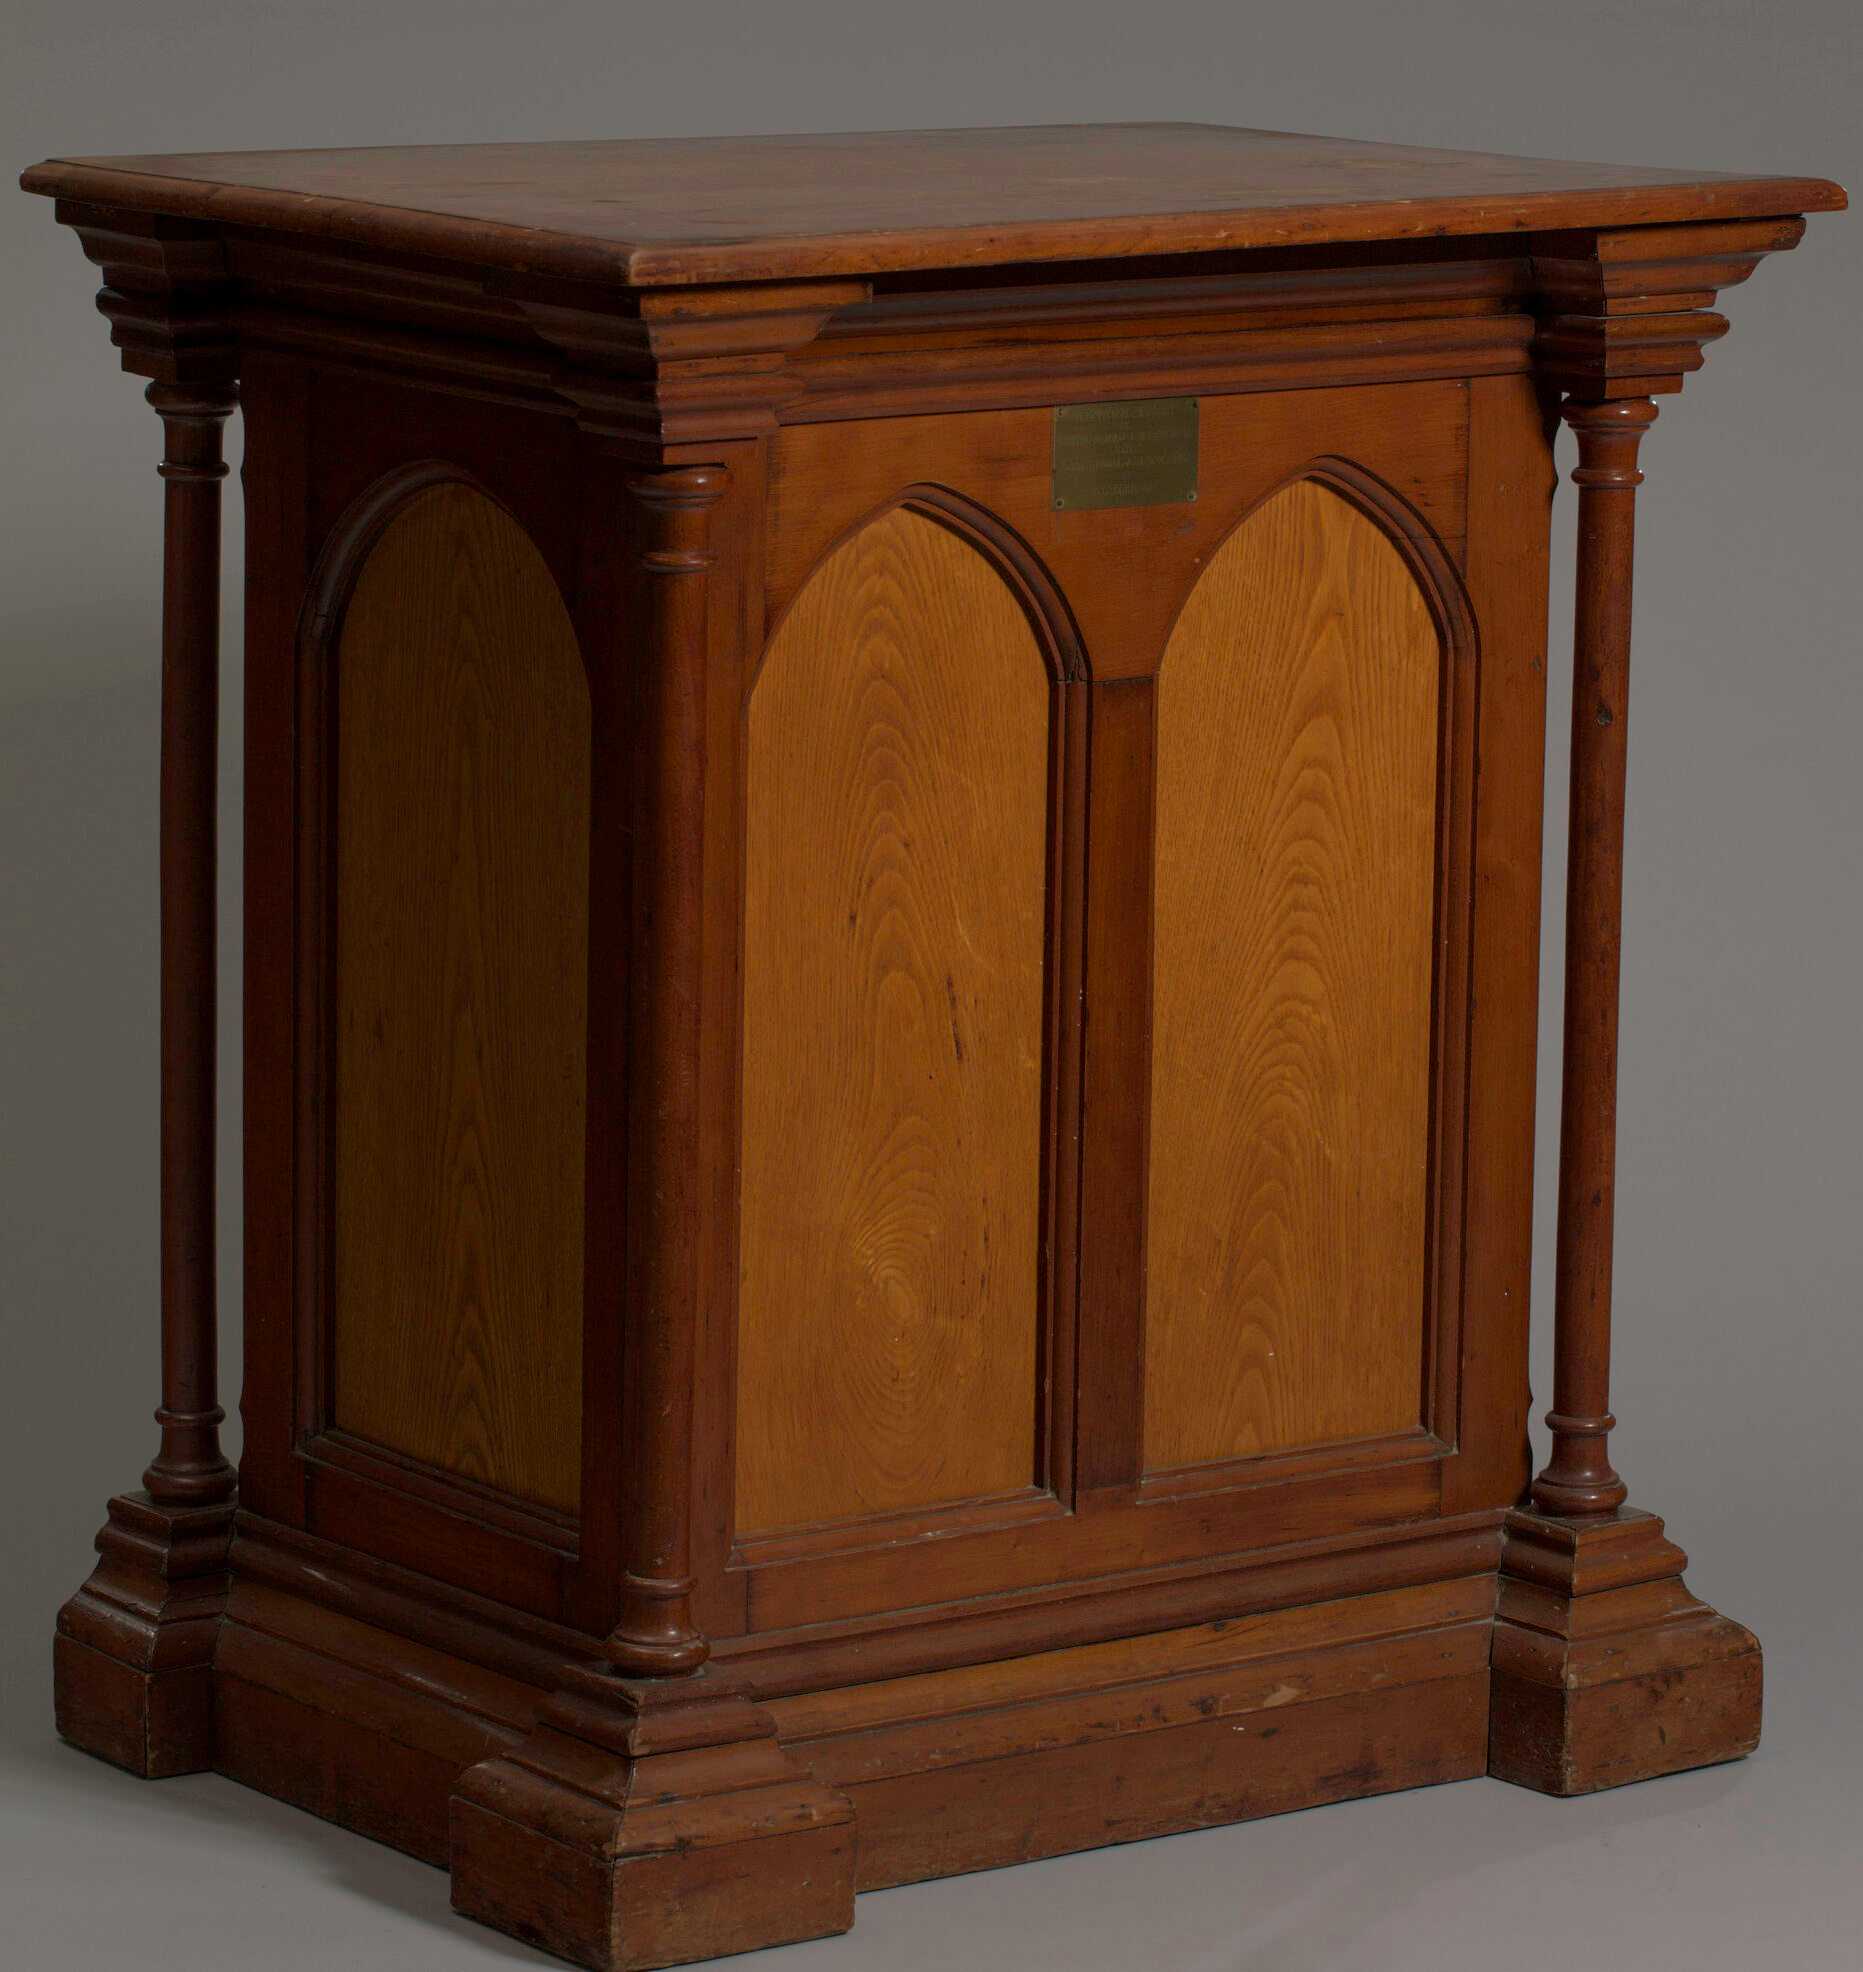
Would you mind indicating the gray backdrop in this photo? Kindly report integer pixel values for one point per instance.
(1740, 1259)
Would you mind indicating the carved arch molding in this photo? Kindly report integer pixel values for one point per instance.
(454, 730)
(1313, 761)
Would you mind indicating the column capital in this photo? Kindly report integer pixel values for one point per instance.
(1627, 312)
(686, 366)
(167, 293)
(1610, 430)
(679, 500)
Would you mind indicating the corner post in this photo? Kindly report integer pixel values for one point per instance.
(651, 1816)
(1605, 1668)
(133, 1653)
(1578, 1478)
(189, 1470)
(654, 1633)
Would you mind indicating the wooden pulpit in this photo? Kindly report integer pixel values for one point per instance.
(893, 802)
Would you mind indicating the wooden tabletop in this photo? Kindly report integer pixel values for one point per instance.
(671, 212)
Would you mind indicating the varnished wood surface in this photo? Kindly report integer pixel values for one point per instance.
(984, 1764)
(657, 212)
(1296, 803)
(1510, 487)
(1124, 574)
(190, 1469)
(1124, 571)
(897, 825)
(1578, 1477)
(462, 833)
(998, 1676)
(1606, 1669)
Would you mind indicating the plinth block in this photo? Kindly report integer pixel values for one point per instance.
(1606, 1669)
(642, 1825)
(133, 1654)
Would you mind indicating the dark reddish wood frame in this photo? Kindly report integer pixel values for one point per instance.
(398, 1649)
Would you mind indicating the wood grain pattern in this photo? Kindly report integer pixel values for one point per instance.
(461, 918)
(896, 881)
(1578, 1477)
(1296, 845)
(1510, 489)
(1092, 1656)
(655, 212)
(1605, 1668)
(1123, 570)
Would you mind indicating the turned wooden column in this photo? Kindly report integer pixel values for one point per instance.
(655, 1633)
(1578, 1478)
(189, 1470)
(133, 1657)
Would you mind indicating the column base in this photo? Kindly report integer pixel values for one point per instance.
(1605, 1669)
(648, 1824)
(132, 1660)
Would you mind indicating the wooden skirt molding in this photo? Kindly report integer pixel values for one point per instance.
(894, 811)
(330, 1711)
(360, 1695)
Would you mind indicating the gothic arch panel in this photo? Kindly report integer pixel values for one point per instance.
(1295, 897)
(896, 879)
(460, 810)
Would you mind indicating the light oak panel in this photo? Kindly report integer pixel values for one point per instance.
(1297, 751)
(896, 883)
(461, 990)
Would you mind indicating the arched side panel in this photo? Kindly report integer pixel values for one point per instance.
(1299, 742)
(460, 802)
(896, 886)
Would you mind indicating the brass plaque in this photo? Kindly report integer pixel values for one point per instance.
(1139, 454)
